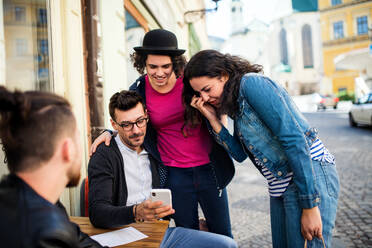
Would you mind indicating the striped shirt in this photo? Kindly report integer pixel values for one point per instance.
(277, 187)
(318, 152)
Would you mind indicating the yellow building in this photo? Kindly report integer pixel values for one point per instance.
(344, 27)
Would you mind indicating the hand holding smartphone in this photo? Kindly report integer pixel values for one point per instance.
(163, 195)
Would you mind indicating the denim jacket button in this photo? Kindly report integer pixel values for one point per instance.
(280, 173)
(250, 147)
(264, 160)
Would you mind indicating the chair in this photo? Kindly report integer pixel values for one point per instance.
(84, 191)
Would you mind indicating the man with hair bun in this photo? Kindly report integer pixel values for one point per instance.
(41, 142)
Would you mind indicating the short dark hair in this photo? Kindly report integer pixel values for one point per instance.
(124, 100)
(139, 62)
(31, 124)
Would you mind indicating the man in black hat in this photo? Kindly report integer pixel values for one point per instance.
(161, 58)
(192, 165)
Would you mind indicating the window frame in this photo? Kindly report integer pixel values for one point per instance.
(41, 19)
(335, 2)
(333, 30)
(24, 17)
(356, 23)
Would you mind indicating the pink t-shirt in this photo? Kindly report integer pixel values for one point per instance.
(166, 116)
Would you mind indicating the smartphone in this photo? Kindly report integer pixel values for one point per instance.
(163, 195)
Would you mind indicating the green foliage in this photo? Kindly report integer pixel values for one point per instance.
(346, 96)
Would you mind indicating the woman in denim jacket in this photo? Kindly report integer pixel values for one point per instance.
(269, 129)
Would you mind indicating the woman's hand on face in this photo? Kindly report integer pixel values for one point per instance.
(208, 111)
(205, 109)
(104, 137)
(311, 223)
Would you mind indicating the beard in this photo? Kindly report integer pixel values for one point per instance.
(74, 178)
(128, 140)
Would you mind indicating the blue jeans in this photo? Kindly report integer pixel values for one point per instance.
(286, 212)
(194, 185)
(188, 238)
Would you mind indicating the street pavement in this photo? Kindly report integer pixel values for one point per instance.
(352, 147)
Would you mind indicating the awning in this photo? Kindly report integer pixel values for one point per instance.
(353, 60)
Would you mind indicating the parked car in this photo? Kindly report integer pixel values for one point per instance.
(361, 111)
(328, 101)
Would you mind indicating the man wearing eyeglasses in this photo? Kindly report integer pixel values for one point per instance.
(122, 174)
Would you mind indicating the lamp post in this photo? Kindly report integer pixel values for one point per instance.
(193, 15)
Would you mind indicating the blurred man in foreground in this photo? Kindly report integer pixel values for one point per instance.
(41, 142)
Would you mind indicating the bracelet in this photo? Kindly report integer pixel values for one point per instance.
(135, 214)
(135, 211)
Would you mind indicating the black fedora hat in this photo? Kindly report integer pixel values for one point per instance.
(160, 42)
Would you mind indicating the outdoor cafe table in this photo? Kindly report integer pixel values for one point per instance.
(154, 230)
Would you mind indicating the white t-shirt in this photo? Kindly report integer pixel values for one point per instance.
(137, 171)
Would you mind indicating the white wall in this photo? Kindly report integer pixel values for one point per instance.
(251, 45)
(2, 49)
(68, 76)
(293, 24)
(112, 21)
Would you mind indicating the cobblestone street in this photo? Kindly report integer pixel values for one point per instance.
(249, 200)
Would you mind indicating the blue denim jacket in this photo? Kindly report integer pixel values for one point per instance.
(269, 126)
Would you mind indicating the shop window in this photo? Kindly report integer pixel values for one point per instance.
(42, 18)
(43, 47)
(130, 22)
(27, 61)
(336, 2)
(362, 25)
(19, 14)
(338, 30)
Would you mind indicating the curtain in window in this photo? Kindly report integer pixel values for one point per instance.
(307, 46)
(283, 47)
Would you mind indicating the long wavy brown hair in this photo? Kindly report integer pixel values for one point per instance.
(213, 64)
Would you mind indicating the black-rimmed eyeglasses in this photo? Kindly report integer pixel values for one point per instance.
(128, 125)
